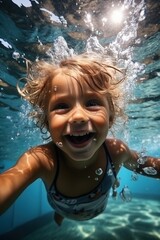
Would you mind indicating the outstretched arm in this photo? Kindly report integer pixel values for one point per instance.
(16, 179)
(132, 160)
(145, 165)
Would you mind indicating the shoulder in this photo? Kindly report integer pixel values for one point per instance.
(118, 150)
(117, 146)
(45, 152)
(41, 159)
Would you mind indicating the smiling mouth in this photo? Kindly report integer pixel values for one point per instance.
(80, 139)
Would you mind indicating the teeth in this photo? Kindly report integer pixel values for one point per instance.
(79, 134)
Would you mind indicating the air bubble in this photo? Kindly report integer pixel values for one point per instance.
(134, 176)
(16, 55)
(109, 173)
(99, 171)
(59, 144)
(142, 160)
(150, 170)
(55, 88)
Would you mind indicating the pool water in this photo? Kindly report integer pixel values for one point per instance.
(135, 220)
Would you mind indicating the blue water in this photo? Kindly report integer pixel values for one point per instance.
(27, 33)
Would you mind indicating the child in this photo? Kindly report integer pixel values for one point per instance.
(77, 103)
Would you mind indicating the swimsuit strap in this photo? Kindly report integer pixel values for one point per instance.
(110, 160)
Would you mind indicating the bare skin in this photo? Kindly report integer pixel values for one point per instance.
(40, 162)
(72, 114)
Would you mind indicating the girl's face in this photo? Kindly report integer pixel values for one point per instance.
(78, 119)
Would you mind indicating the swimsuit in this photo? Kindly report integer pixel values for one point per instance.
(86, 206)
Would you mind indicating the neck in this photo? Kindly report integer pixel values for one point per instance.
(82, 164)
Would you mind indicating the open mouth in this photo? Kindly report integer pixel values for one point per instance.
(80, 139)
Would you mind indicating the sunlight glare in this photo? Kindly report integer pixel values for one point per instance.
(117, 15)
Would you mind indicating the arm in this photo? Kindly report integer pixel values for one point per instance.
(144, 165)
(132, 160)
(17, 178)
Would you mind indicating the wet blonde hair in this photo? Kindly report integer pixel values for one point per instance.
(98, 73)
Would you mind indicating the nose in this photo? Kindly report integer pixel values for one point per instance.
(78, 116)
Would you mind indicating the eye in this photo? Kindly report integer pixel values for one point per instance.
(60, 107)
(93, 103)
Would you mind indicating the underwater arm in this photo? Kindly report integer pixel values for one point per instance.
(132, 160)
(144, 165)
(16, 179)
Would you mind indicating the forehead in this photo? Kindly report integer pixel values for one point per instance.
(69, 83)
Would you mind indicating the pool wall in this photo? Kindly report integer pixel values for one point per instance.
(31, 204)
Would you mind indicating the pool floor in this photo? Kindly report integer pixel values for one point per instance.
(135, 220)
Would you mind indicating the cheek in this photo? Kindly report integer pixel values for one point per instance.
(101, 118)
(56, 124)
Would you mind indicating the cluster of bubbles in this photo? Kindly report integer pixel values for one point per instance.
(60, 50)
(126, 194)
(134, 176)
(20, 58)
(150, 170)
